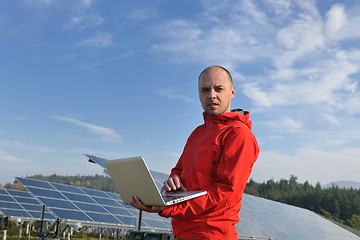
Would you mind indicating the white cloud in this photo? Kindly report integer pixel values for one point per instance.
(311, 164)
(174, 154)
(336, 20)
(298, 39)
(90, 65)
(106, 133)
(291, 125)
(101, 40)
(284, 124)
(254, 92)
(252, 10)
(39, 2)
(169, 93)
(279, 7)
(19, 145)
(5, 158)
(223, 43)
(87, 3)
(85, 21)
(20, 118)
(323, 82)
(141, 14)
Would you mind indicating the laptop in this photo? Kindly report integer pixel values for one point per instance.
(132, 177)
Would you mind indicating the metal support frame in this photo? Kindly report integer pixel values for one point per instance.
(138, 221)
(55, 229)
(3, 225)
(4, 236)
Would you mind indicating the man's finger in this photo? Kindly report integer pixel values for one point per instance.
(177, 181)
(169, 184)
(173, 183)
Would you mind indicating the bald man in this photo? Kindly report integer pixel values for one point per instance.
(218, 157)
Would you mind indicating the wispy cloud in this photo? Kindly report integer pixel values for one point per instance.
(39, 2)
(87, 3)
(106, 133)
(285, 124)
(20, 145)
(174, 154)
(82, 22)
(141, 14)
(322, 166)
(170, 93)
(6, 158)
(100, 40)
(20, 118)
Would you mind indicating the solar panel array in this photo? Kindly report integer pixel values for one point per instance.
(259, 218)
(22, 205)
(88, 206)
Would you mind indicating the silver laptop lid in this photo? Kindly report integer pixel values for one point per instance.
(132, 178)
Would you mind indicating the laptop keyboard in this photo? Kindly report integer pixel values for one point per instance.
(173, 197)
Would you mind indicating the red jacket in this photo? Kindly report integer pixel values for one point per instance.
(218, 157)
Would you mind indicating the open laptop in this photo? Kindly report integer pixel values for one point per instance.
(132, 178)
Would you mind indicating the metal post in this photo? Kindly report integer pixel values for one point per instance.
(20, 229)
(69, 233)
(4, 236)
(28, 230)
(40, 233)
(138, 223)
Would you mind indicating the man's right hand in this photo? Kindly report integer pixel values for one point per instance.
(172, 184)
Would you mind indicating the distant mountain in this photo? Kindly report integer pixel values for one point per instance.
(343, 184)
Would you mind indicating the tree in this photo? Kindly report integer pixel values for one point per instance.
(354, 221)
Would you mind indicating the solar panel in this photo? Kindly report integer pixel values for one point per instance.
(264, 218)
(22, 205)
(88, 206)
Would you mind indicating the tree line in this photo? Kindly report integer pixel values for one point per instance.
(339, 204)
(97, 182)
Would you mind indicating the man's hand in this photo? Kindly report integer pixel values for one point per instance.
(172, 184)
(136, 203)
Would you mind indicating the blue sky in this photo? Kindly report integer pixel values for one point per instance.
(118, 79)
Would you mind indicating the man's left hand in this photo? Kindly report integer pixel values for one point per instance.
(136, 203)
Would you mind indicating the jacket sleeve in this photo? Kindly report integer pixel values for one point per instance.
(240, 151)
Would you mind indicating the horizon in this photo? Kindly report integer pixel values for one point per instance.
(340, 183)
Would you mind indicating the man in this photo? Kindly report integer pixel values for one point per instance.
(218, 157)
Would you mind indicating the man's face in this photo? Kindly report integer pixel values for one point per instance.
(215, 91)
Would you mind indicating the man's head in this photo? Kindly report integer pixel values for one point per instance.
(216, 90)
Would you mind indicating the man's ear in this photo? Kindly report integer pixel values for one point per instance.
(232, 92)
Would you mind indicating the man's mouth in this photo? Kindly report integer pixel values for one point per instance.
(212, 104)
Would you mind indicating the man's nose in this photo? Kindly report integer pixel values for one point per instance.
(212, 94)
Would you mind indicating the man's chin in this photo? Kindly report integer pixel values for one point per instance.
(212, 112)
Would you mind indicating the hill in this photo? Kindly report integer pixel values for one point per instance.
(343, 184)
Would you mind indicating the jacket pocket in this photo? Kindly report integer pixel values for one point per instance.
(215, 161)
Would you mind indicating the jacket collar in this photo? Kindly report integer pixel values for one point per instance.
(237, 115)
